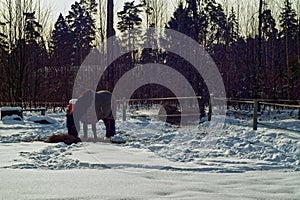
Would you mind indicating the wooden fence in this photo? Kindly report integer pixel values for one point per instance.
(55, 106)
(252, 104)
(124, 102)
(257, 103)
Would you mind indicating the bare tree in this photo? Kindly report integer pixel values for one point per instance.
(13, 14)
(102, 20)
(156, 13)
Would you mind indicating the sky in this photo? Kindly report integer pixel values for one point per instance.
(63, 6)
(247, 10)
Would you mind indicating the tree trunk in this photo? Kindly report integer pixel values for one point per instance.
(288, 67)
(110, 33)
(110, 18)
(259, 68)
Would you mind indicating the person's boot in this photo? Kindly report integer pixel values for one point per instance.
(112, 128)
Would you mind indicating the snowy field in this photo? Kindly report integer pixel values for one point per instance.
(159, 161)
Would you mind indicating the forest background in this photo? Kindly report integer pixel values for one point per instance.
(255, 45)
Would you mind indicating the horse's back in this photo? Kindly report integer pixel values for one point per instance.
(103, 100)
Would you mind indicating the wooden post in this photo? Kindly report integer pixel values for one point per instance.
(124, 108)
(209, 109)
(299, 110)
(255, 109)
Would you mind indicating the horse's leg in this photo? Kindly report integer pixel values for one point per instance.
(94, 131)
(85, 129)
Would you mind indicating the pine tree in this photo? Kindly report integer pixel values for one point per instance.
(269, 58)
(268, 25)
(129, 17)
(3, 47)
(62, 41)
(27, 57)
(4, 56)
(232, 28)
(89, 6)
(62, 48)
(181, 21)
(83, 27)
(32, 27)
(288, 21)
(192, 6)
(217, 23)
(149, 55)
(130, 20)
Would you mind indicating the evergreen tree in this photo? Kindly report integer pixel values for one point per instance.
(269, 58)
(83, 27)
(32, 27)
(232, 28)
(204, 21)
(4, 56)
(269, 25)
(181, 21)
(35, 58)
(192, 6)
(217, 23)
(3, 47)
(27, 58)
(288, 21)
(89, 6)
(190, 20)
(150, 55)
(130, 20)
(129, 17)
(62, 48)
(62, 41)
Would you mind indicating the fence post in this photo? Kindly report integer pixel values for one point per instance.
(209, 109)
(124, 108)
(255, 109)
(299, 113)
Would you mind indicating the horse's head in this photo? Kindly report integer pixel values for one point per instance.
(71, 125)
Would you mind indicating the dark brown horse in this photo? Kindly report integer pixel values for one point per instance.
(90, 108)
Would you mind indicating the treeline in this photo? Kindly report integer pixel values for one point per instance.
(36, 68)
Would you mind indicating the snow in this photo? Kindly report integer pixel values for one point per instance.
(12, 119)
(73, 101)
(38, 119)
(159, 161)
(11, 109)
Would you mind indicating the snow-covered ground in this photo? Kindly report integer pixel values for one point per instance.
(159, 161)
